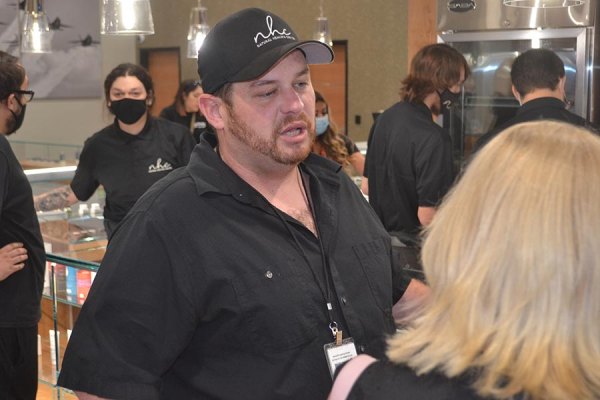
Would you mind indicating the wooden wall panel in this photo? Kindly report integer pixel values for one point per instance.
(330, 81)
(421, 25)
(163, 65)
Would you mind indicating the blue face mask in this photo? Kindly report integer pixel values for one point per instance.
(321, 124)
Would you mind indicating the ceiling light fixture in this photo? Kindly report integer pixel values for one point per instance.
(322, 33)
(36, 36)
(126, 17)
(198, 30)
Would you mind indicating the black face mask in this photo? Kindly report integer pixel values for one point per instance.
(128, 110)
(449, 99)
(18, 119)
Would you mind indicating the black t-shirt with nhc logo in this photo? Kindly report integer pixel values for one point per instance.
(127, 165)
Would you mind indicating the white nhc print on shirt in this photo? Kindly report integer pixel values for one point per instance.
(159, 166)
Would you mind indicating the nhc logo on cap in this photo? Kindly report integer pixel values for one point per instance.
(245, 45)
(273, 34)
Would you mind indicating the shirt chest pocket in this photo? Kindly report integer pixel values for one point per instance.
(374, 258)
(278, 307)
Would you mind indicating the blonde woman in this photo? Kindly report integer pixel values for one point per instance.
(513, 260)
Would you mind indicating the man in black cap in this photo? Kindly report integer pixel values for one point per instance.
(254, 271)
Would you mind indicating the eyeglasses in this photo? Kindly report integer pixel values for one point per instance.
(25, 94)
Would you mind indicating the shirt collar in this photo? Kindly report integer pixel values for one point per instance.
(542, 102)
(143, 135)
(421, 108)
(211, 174)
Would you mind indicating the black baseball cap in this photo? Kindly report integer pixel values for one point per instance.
(245, 45)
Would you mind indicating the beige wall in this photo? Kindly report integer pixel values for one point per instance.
(376, 32)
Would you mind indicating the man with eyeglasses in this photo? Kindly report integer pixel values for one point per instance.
(22, 257)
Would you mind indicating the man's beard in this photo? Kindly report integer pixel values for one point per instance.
(268, 145)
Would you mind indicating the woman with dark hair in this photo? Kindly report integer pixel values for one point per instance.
(185, 109)
(129, 155)
(333, 145)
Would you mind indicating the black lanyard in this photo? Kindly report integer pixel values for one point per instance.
(326, 290)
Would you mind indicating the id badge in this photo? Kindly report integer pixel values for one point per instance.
(339, 354)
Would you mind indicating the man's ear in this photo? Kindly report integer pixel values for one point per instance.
(516, 93)
(210, 107)
(561, 84)
(11, 102)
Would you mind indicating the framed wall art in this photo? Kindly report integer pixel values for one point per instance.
(73, 68)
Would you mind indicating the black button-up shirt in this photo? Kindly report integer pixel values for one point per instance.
(542, 108)
(409, 165)
(207, 291)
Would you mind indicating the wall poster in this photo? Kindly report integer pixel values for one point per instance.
(74, 67)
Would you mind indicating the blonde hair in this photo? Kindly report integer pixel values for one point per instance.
(513, 260)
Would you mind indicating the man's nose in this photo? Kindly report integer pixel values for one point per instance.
(292, 102)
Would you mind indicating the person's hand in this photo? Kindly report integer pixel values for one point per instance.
(12, 259)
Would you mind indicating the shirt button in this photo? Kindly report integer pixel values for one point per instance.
(362, 348)
(269, 274)
(343, 299)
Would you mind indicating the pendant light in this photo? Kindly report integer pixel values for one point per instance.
(322, 33)
(543, 3)
(198, 30)
(36, 36)
(126, 17)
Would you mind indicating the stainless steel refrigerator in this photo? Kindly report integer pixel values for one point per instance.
(490, 35)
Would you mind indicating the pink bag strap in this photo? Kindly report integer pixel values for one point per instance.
(348, 376)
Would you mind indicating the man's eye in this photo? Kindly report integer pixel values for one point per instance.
(268, 94)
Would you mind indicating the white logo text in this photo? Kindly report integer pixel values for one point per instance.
(159, 166)
(273, 34)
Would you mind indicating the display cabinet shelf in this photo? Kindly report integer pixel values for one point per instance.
(67, 283)
(75, 242)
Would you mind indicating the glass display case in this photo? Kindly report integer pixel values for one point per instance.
(75, 242)
(66, 286)
(43, 155)
(77, 231)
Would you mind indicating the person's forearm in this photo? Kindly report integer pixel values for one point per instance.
(55, 199)
(425, 215)
(358, 162)
(412, 299)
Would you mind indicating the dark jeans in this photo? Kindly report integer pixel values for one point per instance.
(18, 363)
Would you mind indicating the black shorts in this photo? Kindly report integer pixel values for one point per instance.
(18, 363)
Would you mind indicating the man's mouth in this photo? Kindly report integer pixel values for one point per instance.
(293, 132)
